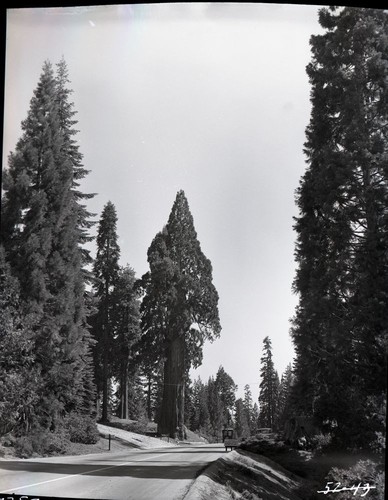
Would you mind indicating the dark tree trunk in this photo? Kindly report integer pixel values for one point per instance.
(105, 391)
(149, 388)
(172, 414)
(124, 391)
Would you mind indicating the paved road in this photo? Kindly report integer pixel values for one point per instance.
(164, 474)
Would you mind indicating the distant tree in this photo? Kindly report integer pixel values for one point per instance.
(179, 309)
(43, 229)
(200, 420)
(241, 420)
(255, 419)
(342, 231)
(248, 406)
(284, 397)
(227, 391)
(106, 271)
(215, 407)
(136, 398)
(149, 358)
(268, 387)
(126, 331)
(189, 402)
(153, 389)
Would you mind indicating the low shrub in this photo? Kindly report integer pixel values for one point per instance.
(41, 442)
(320, 442)
(263, 446)
(81, 429)
(140, 427)
(364, 472)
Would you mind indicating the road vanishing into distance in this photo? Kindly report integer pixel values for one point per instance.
(153, 474)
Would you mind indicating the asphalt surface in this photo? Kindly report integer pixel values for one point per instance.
(164, 474)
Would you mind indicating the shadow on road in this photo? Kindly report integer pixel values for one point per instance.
(182, 470)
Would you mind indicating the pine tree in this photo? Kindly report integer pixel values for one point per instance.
(136, 399)
(268, 387)
(106, 271)
(67, 121)
(189, 403)
(248, 407)
(152, 376)
(284, 399)
(179, 310)
(255, 419)
(42, 234)
(215, 409)
(340, 323)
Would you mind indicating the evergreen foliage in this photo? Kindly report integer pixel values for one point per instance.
(126, 323)
(179, 309)
(340, 326)
(269, 385)
(248, 407)
(200, 420)
(212, 405)
(106, 272)
(254, 419)
(43, 229)
(216, 409)
(19, 377)
(227, 391)
(284, 397)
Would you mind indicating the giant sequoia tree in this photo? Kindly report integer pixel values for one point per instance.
(342, 229)
(179, 309)
(43, 229)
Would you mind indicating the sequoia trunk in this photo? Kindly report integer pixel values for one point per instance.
(172, 415)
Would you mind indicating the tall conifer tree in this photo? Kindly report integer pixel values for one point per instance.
(268, 387)
(342, 229)
(106, 271)
(227, 390)
(248, 406)
(41, 231)
(126, 311)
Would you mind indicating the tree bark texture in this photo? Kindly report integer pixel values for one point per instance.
(172, 414)
(124, 391)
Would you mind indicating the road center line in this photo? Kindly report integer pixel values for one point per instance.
(83, 473)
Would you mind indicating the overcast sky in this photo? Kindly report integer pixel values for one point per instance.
(210, 98)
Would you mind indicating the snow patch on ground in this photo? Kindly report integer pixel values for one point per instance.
(206, 488)
(239, 475)
(271, 472)
(132, 438)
